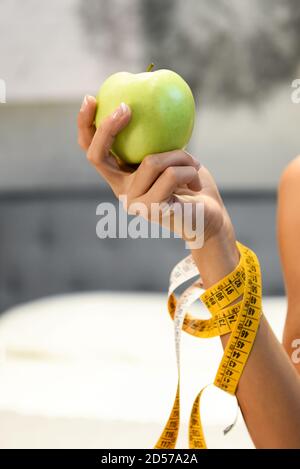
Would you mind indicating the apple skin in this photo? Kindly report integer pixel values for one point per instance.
(163, 112)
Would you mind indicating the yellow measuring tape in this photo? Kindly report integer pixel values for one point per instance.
(235, 307)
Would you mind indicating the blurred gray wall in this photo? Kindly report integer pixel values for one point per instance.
(48, 245)
(243, 148)
(240, 59)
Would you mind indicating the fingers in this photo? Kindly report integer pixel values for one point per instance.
(154, 165)
(85, 122)
(172, 178)
(208, 184)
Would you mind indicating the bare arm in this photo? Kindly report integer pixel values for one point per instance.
(289, 244)
(269, 389)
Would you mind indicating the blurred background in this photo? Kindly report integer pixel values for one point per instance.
(239, 58)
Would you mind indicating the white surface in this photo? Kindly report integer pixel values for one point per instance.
(105, 363)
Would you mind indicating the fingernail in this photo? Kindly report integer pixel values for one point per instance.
(84, 103)
(122, 109)
(90, 99)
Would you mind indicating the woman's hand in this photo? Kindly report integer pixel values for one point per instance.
(164, 178)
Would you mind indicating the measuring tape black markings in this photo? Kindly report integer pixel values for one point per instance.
(235, 304)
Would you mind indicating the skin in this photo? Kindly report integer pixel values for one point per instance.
(288, 236)
(269, 389)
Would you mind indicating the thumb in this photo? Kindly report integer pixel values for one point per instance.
(85, 122)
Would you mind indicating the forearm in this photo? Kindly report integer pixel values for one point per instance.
(269, 393)
(269, 388)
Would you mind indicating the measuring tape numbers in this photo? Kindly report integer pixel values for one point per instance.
(235, 305)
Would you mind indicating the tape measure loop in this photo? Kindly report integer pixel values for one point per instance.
(235, 305)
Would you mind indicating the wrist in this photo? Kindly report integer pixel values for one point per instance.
(219, 256)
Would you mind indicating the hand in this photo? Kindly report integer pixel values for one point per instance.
(160, 178)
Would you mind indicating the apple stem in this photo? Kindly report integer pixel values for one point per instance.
(150, 67)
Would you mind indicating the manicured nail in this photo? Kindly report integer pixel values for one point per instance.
(90, 99)
(84, 103)
(122, 109)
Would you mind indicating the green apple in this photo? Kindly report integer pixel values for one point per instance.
(163, 111)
